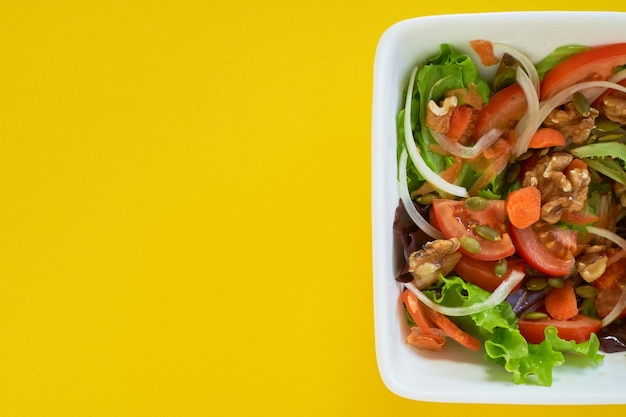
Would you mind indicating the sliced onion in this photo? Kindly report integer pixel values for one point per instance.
(621, 242)
(496, 297)
(607, 234)
(546, 106)
(528, 65)
(421, 166)
(467, 152)
(617, 77)
(532, 100)
(617, 310)
(405, 197)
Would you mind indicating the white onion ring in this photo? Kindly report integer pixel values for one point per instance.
(405, 197)
(496, 297)
(562, 97)
(621, 242)
(467, 152)
(607, 234)
(528, 65)
(421, 166)
(616, 311)
(532, 100)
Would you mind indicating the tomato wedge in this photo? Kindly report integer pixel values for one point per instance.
(578, 329)
(503, 111)
(538, 256)
(455, 219)
(481, 273)
(593, 64)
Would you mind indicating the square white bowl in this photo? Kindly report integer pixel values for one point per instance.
(457, 375)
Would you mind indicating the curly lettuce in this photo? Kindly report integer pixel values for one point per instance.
(504, 345)
(448, 70)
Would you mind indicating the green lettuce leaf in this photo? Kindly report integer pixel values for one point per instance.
(557, 56)
(608, 158)
(447, 70)
(504, 345)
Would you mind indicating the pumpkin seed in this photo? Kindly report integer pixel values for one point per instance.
(470, 244)
(610, 137)
(487, 232)
(581, 103)
(535, 315)
(556, 282)
(500, 268)
(586, 291)
(476, 203)
(606, 125)
(536, 284)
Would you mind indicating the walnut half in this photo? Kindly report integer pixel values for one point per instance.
(436, 257)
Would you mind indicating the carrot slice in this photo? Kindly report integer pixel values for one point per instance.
(484, 50)
(416, 311)
(433, 342)
(546, 137)
(576, 163)
(561, 302)
(523, 206)
(431, 325)
(453, 331)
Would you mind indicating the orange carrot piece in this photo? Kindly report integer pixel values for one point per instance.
(431, 325)
(546, 137)
(561, 302)
(416, 311)
(433, 342)
(484, 50)
(575, 164)
(523, 206)
(453, 331)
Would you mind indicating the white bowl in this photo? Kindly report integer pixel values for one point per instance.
(458, 375)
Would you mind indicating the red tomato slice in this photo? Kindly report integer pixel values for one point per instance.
(538, 256)
(503, 111)
(481, 273)
(578, 329)
(456, 220)
(594, 64)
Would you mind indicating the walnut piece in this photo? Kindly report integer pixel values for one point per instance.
(559, 192)
(615, 109)
(571, 122)
(436, 257)
(592, 264)
(438, 117)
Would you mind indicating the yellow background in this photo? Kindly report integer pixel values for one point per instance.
(185, 208)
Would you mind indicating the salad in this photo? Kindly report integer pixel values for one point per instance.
(512, 200)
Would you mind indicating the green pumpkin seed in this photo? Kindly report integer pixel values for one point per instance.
(425, 199)
(512, 174)
(476, 203)
(605, 125)
(610, 137)
(586, 291)
(581, 103)
(535, 315)
(525, 156)
(500, 268)
(487, 232)
(470, 244)
(536, 284)
(556, 282)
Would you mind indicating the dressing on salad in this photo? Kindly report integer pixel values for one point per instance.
(512, 194)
